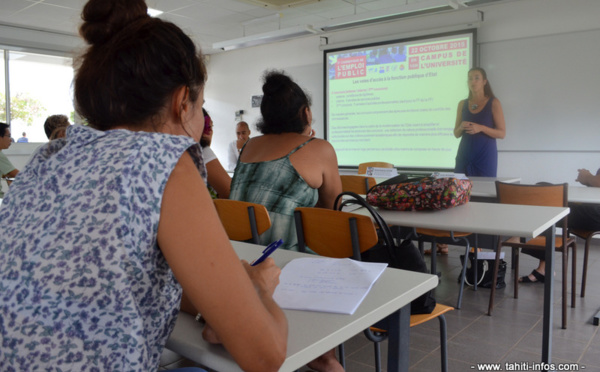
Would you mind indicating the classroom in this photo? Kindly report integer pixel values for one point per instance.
(540, 56)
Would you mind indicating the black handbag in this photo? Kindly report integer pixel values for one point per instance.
(485, 272)
(405, 256)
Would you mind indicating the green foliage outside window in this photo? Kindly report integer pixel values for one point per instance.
(22, 107)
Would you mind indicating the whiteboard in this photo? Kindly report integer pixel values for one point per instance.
(549, 87)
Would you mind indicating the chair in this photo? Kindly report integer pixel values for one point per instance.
(554, 195)
(339, 234)
(243, 221)
(586, 235)
(357, 184)
(362, 167)
(451, 237)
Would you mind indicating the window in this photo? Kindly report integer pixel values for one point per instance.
(40, 85)
(2, 89)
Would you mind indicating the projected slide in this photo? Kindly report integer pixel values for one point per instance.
(396, 102)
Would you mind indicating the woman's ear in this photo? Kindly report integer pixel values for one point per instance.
(308, 115)
(181, 103)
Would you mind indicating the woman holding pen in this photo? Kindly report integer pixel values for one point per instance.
(106, 226)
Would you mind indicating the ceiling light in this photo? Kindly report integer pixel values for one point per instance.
(265, 38)
(388, 14)
(154, 12)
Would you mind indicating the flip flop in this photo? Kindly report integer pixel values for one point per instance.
(539, 278)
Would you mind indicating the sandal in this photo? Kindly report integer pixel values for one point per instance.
(539, 278)
(441, 249)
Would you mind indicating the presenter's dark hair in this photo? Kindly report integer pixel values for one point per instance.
(3, 128)
(283, 106)
(487, 88)
(133, 65)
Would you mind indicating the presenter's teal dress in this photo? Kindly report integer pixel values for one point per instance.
(279, 187)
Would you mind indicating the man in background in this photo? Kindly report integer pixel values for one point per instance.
(242, 131)
(7, 170)
(56, 126)
(23, 139)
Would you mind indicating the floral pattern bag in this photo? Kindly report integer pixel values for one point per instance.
(419, 194)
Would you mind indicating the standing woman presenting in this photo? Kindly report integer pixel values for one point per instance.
(479, 121)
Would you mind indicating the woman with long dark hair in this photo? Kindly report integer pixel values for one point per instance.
(104, 228)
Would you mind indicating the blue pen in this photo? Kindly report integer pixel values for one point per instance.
(267, 252)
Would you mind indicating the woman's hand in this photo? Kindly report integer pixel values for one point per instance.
(470, 127)
(583, 176)
(264, 276)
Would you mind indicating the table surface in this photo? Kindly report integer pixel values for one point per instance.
(577, 194)
(482, 218)
(494, 219)
(310, 333)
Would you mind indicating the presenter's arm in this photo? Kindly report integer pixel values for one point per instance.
(585, 177)
(234, 298)
(458, 127)
(218, 178)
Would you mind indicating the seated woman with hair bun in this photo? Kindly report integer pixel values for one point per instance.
(106, 226)
(286, 168)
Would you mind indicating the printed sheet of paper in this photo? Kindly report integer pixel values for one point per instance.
(326, 284)
(458, 176)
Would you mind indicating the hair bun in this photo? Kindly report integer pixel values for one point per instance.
(275, 82)
(104, 18)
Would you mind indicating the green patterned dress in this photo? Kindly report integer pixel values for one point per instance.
(279, 187)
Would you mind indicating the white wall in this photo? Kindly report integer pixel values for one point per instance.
(235, 76)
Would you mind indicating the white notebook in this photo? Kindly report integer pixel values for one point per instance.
(326, 284)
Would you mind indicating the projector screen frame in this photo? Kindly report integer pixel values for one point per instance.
(470, 31)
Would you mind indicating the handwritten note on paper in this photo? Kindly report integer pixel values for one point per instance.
(326, 284)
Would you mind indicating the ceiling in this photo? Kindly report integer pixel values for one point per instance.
(214, 21)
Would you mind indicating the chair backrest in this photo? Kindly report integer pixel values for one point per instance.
(333, 233)
(362, 167)
(542, 194)
(242, 220)
(549, 195)
(357, 184)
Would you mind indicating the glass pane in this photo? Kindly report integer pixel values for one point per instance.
(40, 86)
(2, 89)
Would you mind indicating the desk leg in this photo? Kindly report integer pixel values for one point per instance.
(548, 300)
(399, 340)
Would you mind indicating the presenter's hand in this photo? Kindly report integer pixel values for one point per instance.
(470, 127)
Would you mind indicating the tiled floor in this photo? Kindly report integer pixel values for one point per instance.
(513, 334)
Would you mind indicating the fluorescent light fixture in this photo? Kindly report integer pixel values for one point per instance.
(265, 38)
(154, 12)
(388, 14)
(339, 23)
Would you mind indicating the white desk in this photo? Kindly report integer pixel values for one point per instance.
(495, 219)
(577, 194)
(312, 333)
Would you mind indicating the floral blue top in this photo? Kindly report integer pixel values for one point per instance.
(83, 283)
